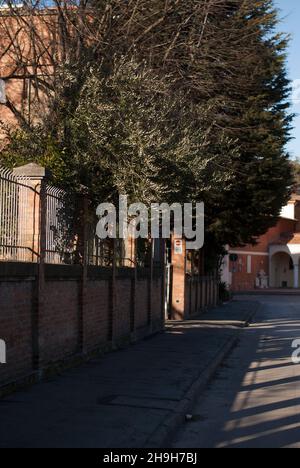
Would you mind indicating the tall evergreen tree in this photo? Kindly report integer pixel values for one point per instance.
(257, 114)
(214, 128)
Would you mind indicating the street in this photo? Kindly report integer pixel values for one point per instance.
(149, 226)
(254, 400)
(127, 398)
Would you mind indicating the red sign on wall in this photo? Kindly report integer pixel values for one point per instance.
(178, 246)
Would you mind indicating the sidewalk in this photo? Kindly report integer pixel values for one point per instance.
(131, 398)
(269, 292)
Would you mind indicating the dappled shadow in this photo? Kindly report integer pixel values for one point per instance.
(120, 399)
(254, 401)
(265, 408)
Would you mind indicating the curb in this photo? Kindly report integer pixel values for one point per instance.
(268, 292)
(163, 435)
(165, 432)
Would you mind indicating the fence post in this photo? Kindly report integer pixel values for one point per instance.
(179, 305)
(35, 238)
(163, 264)
(216, 288)
(133, 308)
(112, 295)
(84, 274)
(36, 178)
(199, 285)
(150, 284)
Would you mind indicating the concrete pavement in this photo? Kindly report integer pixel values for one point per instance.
(131, 398)
(254, 401)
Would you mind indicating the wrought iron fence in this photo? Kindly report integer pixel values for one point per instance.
(99, 252)
(37, 218)
(60, 235)
(20, 221)
(104, 252)
(16, 201)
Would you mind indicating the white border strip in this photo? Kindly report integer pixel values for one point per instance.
(244, 252)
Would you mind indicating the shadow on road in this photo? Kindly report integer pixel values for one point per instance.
(254, 401)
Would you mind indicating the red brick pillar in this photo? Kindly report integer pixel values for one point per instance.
(163, 265)
(34, 183)
(129, 252)
(84, 277)
(150, 285)
(179, 279)
(33, 235)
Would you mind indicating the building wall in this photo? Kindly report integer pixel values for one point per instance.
(242, 275)
(201, 292)
(75, 319)
(282, 272)
(288, 211)
(244, 279)
(283, 226)
(192, 290)
(20, 60)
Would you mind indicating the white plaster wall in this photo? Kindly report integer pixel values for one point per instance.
(290, 249)
(280, 271)
(288, 211)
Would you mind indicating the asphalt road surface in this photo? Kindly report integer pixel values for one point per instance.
(254, 400)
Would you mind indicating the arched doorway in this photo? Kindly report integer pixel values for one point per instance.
(282, 271)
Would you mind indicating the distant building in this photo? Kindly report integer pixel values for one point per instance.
(274, 261)
(26, 67)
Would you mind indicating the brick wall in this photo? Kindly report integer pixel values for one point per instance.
(141, 305)
(16, 327)
(96, 312)
(19, 89)
(156, 304)
(241, 278)
(59, 321)
(272, 235)
(123, 309)
(192, 291)
(75, 318)
(200, 293)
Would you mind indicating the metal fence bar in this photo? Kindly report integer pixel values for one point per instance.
(20, 204)
(14, 193)
(63, 228)
(60, 234)
(53, 205)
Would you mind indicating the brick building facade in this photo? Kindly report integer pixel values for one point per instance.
(274, 261)
(29, 55)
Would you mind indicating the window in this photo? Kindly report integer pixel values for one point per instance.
(249, 264)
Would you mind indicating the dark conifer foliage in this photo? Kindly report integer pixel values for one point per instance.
(168, 100)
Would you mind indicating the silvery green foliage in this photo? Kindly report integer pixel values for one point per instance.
(145, 141)
(169, 100)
